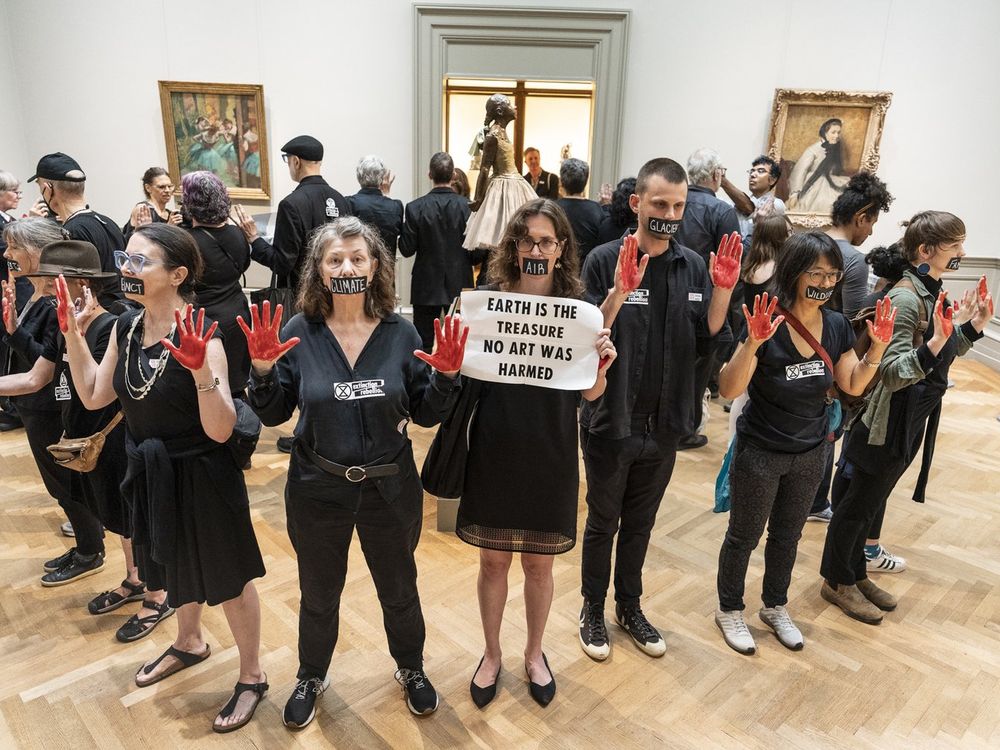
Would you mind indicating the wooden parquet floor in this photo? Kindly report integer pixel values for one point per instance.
(929, 676)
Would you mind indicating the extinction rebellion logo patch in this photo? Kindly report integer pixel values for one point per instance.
(804, 370)
(358, 389)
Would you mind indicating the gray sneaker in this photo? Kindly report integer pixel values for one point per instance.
(735, 631)
(778, 620)
(823, 516)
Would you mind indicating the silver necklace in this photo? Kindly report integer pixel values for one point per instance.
(138, 393)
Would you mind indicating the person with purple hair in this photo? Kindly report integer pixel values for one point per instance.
(227, 256)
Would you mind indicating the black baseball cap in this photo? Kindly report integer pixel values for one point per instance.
(58, 166)
(305, 147)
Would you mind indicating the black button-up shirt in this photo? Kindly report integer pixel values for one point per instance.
(353, 416)
(686, 336)
(706, 221)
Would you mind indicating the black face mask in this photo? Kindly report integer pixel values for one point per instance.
(663, 228)
(136, 287)
(348, 284)
(535, 266)
(13, 265)
(818, 293)
(954, 263)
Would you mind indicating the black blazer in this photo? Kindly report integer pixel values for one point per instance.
(433, 231)
(311, 204)
(382, 212)
(548, 185)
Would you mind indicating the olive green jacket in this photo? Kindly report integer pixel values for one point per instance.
(900, 366)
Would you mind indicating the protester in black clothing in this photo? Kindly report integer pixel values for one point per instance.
(354, 378)
(62, 185)
(629, 437)
(10, 197)
(584, 215)
(158, 189)
(30, 336)
(372, 203)
(310, 205)
(707, 220)
(904, 408)
(783, 435)
(226, 257)
(191, 519)
(433, 231)
(620, 217)
(96, 501)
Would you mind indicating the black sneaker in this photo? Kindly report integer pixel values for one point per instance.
(301, 706)
(421, 697)
(78, 566)
(593, 632)
(285, 444)
(58, 562)
(634, 622)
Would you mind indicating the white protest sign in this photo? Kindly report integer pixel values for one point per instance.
(531, 340)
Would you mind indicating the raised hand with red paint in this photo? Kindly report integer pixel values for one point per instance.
(449, 346)
(262, 339)
(760, 327)
(944, 323)
(9, 307)
(628, 272)
(885, 320)
(724, 266)
(193, 343)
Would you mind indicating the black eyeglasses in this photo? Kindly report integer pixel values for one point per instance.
(546, 246)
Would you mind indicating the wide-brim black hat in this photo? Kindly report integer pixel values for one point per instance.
(72, 258)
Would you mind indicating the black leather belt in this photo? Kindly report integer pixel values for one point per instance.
(350, 473)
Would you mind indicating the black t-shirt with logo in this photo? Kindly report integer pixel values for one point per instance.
(787, 408)
(653, 292)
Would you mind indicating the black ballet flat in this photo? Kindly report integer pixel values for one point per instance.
(482, 696)
(543, 694)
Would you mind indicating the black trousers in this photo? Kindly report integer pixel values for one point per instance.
(423, 321)
(772, 489)
(703, 369)
(321, 536)
(626, 480)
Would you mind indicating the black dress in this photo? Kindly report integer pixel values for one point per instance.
(192, 533)
(227, 257)
(530, 506)
(36, 336)
(100, 489)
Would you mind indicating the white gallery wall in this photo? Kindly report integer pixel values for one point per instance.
(81, 78)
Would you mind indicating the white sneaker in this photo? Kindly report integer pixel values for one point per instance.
(778, 620)
(885, 562)
(823, 516)
(735, 631)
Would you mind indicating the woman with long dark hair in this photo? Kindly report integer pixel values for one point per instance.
(782, 437)
(818, 178)
(532, 512)
(905, 406)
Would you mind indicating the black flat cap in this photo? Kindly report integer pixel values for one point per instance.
(305, 147)
(58, 166)
(73, 258)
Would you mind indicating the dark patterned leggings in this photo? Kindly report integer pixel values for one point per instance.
(772, 489)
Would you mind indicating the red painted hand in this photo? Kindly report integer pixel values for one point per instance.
(628, 273)
(262, 340)
(885, 320)
(605, 349)
(724, 266)
(982, 288)
(64, 307)
(449, 347)
(9, 307)
(760, 327)
(943, 323)
(193, 345)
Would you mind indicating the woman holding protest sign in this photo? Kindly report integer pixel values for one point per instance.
(531, 510)
(784, 433)
(355, 371)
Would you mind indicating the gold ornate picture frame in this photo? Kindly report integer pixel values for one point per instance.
(821, 139)
(219, 127)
